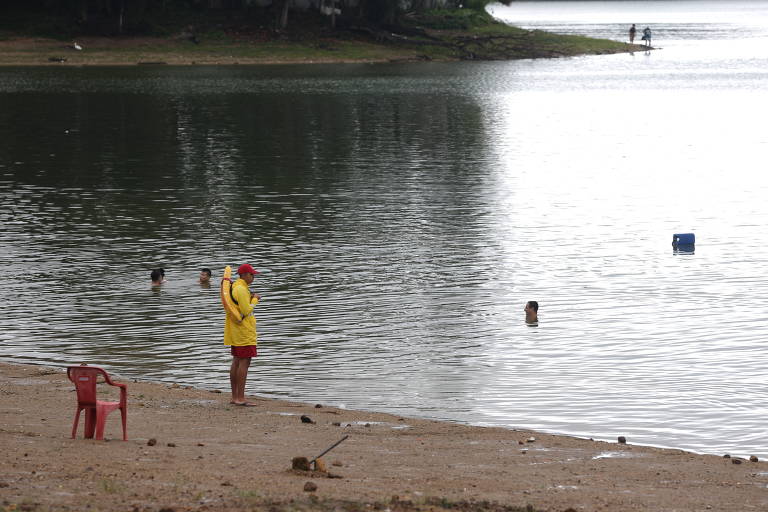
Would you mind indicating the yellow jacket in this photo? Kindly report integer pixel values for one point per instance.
(244, 333)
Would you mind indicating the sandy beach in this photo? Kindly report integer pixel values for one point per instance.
(189, 449)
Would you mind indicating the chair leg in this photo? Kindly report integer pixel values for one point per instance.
(90, 422)
(101, 420)
(74, 425)
(124, 416)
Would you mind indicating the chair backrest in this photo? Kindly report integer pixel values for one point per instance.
(84, 378)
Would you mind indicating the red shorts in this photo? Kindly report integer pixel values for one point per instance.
(246, 351)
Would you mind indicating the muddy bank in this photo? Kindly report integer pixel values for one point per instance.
(428, 45)
(210, 455)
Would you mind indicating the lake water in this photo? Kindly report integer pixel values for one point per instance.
(403, 214)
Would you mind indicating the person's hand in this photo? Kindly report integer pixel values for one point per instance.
(256, 296)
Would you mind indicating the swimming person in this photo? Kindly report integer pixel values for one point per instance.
(531, 312)
(240, 333)
(205, 276)
(157, 277)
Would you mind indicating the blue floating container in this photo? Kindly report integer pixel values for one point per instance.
(683, 239)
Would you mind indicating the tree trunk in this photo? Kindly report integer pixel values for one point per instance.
(121, 17)
(82, 10)
(283, 22)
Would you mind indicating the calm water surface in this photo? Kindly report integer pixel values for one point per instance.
(403, 214)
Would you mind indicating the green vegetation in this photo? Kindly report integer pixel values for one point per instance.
(178, 32)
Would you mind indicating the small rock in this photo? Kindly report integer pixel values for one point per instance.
(318, 406)
(336, 424)
(306, 419)
(368, 425)
(622, 440)
(727, 456)
(226, 483)
(753, 458)
(310, 487)
(520, 442)
(152, 442)
(175, 385)
(736, 461)
(300, 463)
(167, 509)
(530, 440)
(523, 452)
(215, 391)
(200, 444)
(172, 445)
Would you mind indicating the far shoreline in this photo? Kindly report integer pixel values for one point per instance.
(508, 44)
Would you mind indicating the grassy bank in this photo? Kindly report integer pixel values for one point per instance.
(448, 35)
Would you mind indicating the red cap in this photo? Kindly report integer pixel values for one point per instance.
(246, 269)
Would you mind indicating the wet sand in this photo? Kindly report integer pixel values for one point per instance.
(210, 455)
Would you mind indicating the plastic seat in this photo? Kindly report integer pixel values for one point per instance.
(96, 411)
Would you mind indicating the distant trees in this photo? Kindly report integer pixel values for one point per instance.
(145, 16)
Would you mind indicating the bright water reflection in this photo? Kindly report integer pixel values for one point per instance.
(402, 215)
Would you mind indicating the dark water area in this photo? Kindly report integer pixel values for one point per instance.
(401, 216)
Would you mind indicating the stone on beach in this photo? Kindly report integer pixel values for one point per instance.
(300, 463)
(306, 419)
(310, 487)
(622, 440)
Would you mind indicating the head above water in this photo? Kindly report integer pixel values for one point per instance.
(157, 276)
(531, 312)
(205, 275)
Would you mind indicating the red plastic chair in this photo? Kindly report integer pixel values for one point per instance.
(96, 411)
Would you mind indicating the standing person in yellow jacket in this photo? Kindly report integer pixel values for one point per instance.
(240, 333)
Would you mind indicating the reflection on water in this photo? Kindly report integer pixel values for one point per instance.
(401, 216)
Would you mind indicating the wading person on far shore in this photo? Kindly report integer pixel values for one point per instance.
(240, 334)
(632, 32)
(647, 36)
(531, 312)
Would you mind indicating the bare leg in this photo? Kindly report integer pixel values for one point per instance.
(238, 373)
(233, 378)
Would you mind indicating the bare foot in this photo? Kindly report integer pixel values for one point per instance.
(244, 404)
